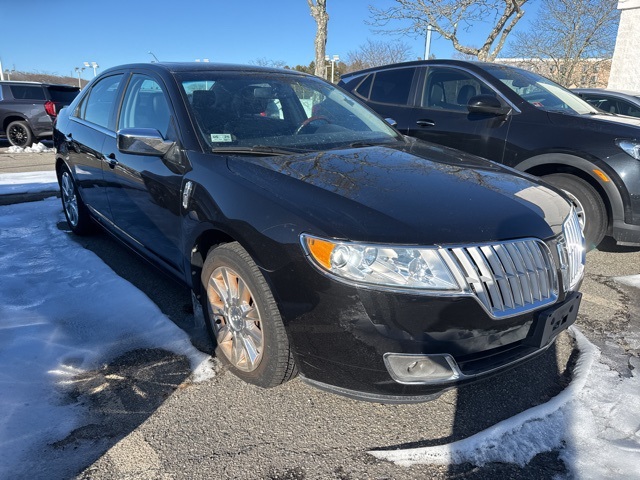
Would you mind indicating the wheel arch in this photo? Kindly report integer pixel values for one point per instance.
(14, 117)
(204, 242)
(584, 169)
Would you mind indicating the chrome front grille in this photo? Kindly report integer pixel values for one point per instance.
(509, 278)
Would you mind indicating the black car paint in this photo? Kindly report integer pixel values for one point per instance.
(339, 332)
(528, 139)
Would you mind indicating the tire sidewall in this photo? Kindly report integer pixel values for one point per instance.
(28, 133)
(594, 210)
(231, 256)
(84, 221)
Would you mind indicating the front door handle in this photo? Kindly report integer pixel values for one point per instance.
(426, 123)
(111, 160)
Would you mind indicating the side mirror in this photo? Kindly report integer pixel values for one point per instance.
(143, 141)
(391, 122)
(487, 104)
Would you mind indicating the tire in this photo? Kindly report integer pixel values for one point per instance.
(243, 319)
(74, 208)
(19, 134)
(588, 204)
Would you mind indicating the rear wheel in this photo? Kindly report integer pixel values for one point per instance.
(243, 318)
(19, 134)
(74, 208)
(588, 204)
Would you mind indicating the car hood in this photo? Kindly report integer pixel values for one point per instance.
(599, 120)
(416, 195)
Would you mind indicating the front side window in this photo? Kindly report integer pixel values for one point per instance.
(233, 109)
(96, 107)
(145, 106)
(451, 89)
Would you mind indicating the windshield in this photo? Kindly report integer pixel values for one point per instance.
(240, 110)
(539, 91)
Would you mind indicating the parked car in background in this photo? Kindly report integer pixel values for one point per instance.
(611, 101)
(27, 109)
(314, 237)
(522, 120)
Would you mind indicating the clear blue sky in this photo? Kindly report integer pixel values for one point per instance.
(57, 36)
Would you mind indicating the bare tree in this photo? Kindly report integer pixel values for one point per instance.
(266, 62)
(569, 40)
(375, 53)
(320, 15)
(450, 18)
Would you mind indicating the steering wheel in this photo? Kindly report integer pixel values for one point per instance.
(309, 121)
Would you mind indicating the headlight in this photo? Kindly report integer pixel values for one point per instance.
(572, 252)
(632, 147)
(401, 267)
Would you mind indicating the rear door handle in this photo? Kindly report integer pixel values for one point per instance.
(111, 160)
(426, 123)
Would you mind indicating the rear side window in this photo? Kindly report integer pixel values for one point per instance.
(97, 106)
(365, 87)
(27, 92)
(63, 95)
(392, 86)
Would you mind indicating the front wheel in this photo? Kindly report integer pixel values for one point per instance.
(243, 318)
(589, 206)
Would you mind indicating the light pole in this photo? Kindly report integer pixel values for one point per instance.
(79, 70)
(333, 61)
(427, 43)
(153, 55)
(93, 65)
(9, 72)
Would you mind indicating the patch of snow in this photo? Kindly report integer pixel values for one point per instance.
(594, 422)
(630, 280)
(28, 182)
(35, 148)
(62, 312)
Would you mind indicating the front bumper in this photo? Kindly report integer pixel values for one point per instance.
(341, 334)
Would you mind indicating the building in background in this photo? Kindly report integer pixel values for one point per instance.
(578, 73)
(626, 56)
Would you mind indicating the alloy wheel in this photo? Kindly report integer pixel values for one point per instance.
(17, 135)
(236, 320)
(69, 199)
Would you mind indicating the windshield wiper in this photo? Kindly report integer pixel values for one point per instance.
(255, 150)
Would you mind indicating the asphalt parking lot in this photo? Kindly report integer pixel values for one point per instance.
(224, 428)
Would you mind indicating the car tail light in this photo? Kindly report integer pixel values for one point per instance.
(50, 108)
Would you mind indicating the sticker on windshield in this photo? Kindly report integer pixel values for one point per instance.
(221, 137)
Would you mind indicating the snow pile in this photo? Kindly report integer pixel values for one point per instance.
(62, 312)
(35, 148)
(28, 182)
(594, 422)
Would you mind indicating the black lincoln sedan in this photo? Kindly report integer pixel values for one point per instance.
(522, 120)
(316, 239)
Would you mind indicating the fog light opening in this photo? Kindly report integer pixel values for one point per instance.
(421, 369)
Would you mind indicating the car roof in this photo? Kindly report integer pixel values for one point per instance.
(459, 63)
(42, 84)
(176, 67)
(603, 91)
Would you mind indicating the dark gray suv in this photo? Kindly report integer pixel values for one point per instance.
(27, 109)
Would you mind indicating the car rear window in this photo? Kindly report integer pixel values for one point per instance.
(27, 92)
(63, 94)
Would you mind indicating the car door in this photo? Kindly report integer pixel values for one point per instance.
(442, 115)
(144, 191)
(90, 124)
(390, 93)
